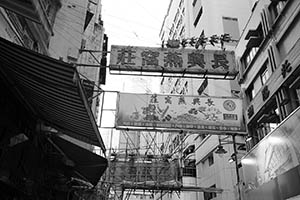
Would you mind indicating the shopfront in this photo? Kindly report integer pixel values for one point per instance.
(41, 101)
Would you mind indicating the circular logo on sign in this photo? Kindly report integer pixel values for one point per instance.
(229, 105)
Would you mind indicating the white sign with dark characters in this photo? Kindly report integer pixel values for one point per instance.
(216, 63)
(176, 112)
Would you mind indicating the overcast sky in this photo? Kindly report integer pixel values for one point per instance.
(134, 22)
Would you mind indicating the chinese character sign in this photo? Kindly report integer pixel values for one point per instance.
(176, 112)
(140, 171)
(187, 61)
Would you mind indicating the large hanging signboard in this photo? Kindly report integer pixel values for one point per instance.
(183, 62)
(140, 171)
(274, 155)
(177, 112)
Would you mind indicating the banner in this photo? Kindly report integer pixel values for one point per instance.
(275, 154)
(218, 63)
(143, 171)
(177, 112)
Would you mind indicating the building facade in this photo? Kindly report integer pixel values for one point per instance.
(268, 53)
(78, 38)
(29, 24)
(191, 19)
(48, 126)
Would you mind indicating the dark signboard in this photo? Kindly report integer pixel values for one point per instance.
(218, 63)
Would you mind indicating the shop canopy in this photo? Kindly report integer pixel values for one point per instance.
(51, 89)
(88, 165)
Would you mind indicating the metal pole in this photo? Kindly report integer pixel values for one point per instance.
(236, 167)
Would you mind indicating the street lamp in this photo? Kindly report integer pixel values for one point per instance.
(232, 158)
(220, 150)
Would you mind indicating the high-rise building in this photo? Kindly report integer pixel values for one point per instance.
(185, 19)
(192, 19)
(268, 53)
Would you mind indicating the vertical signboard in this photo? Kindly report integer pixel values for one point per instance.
(218, 63)
(178, 112)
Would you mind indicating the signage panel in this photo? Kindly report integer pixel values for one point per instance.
(274, 155)
(178, 112)
(167, 60)
(157, 171)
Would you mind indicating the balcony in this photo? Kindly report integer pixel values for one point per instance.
(189, 169)
(39, 11)
(189, 172)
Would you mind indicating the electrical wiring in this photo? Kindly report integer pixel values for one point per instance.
(117, 34)
(127, 20)
(148, 12)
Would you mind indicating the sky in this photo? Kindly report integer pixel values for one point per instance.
(133, 23)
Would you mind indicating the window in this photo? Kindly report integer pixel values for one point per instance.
(266, 122)
(198, 16)
(210, 195)
(189, 168)
(231, 26)
(248, 57)
(210, 159)
(276, 7)
(264, 75)
(255, 38)
(250, 93)
(258, 82)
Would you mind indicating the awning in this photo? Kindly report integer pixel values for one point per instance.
(87, 164)
(51, 89)
(64, 164)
